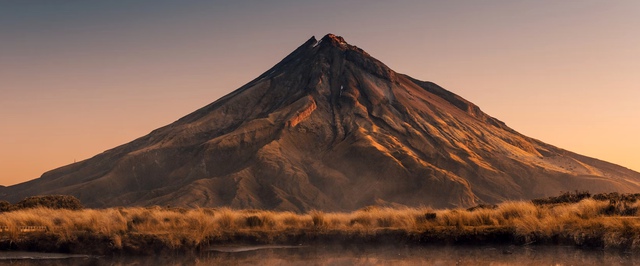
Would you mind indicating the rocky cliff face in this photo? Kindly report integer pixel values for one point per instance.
(331, 128)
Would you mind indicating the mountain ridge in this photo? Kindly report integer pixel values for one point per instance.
(329, 127)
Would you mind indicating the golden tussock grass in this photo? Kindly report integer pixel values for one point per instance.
(588, 222)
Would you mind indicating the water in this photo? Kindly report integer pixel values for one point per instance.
(347, 255)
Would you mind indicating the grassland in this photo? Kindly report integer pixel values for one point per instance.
(595, 222)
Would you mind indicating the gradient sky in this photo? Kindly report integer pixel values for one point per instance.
(79, 77)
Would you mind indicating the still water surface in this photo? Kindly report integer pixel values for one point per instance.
(348, 255)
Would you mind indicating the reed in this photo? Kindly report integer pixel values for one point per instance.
(588, 222)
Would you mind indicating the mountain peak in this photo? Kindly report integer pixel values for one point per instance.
(334, 39)
(337, 41)
(329, 127)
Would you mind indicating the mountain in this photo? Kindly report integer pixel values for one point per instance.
(330, 127)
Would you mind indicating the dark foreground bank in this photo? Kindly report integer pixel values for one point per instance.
(346, 255)
(150, 244)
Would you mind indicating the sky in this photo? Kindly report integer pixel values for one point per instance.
(80, 77)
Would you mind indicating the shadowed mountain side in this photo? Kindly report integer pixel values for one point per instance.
(331, 128)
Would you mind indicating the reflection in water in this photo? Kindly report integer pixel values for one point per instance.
(364, 255)
(248, 248)
(20, 255)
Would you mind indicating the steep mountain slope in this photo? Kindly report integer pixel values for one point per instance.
(332, 128)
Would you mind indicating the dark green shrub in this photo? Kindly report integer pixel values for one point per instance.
(567, 197)
(5, 206)
(50, 201)
(620, 208)
(631, 198)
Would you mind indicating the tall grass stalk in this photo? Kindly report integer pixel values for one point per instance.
(588, 222)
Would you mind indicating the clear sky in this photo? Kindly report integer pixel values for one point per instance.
(79, 77)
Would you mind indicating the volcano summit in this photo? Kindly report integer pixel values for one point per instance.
(331, 128)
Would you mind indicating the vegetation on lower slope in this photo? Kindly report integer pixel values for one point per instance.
(48, 201)
(607, 221)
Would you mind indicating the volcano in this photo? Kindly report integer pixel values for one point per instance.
(330, 128)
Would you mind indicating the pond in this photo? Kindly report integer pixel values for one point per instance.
(347, 255)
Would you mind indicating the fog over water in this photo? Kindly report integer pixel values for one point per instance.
(351, 255)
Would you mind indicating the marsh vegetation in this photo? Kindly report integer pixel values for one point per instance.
(598, 221)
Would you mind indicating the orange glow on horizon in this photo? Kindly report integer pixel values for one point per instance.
(565, 73)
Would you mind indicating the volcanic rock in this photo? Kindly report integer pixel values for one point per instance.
(330, 128)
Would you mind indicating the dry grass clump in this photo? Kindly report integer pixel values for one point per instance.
(589, 222)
